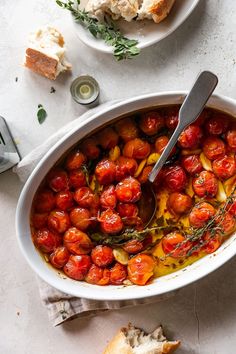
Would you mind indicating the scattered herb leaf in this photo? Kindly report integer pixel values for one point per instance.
(41, 114)
(52, 90)
(16, 79)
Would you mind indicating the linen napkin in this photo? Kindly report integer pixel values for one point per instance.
(62, 307)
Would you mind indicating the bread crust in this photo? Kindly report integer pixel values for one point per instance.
(160, 9)
(41, 64)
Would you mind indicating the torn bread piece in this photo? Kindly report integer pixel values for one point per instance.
(132, 340)
(157, 10)
(45, 54)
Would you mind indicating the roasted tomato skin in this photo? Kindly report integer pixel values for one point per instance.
(143, 177)
(59, 221)
(205, 184)
(127, 129)
(175, 245)
(58, 180)
(191, 137)
(151, 122)
(224, 167)
(77, 267)
(44, 201)
(137, 149)
(226, 223)
(133, 246)
(110, 222)
(211, 244)
(179, 203)
(175, 178)
(97, 275)
(127, 210)
(105, 171)
(75, 160)
(201, 214)
(213, 148)
(80, 218)
(161, 143)
(128, 190)
(141, 268)
(108, 198)
(125, 167)
(84, 197)
(39, 220)
(64, 200)
(217, 125)
(108, 138)
(118, 273)
(59, 257)
(46, 240)
(77, 242)
(192, 164)
(231, 139)
(102, 256)
(90, 148)
(77, 178)
(171, 117)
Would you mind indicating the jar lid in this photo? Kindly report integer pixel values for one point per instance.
(85, 90)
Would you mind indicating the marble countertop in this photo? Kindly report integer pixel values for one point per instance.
(202, 315)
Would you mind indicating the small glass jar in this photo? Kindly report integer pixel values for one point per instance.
(85, 90)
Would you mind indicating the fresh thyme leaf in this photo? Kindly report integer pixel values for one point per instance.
(86, 172)
(123, 48)
(41, 114)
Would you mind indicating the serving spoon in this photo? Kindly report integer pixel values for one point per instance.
(190, 110)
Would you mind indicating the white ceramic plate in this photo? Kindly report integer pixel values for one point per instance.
(82, 289)
(146, 32)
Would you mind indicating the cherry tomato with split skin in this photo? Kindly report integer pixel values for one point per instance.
(64, 200)
(77, 267)
(128, 210)
(176, 245)
(213, 148)
(192, 164)
(44, 201)
(80, 218)
(58, 180)
(108, 138)
(212, 242)
(77, 242)
(110, 222)
(151, 122)
(105, 171)
(161, 143)
(224, 167)
(90, 148)
(102, 256)
(127, 129)
(141, 268)
(205, 184)
(97, 275)
(137, 149)
(108, 198)
(231, 139)
(179, 203)
(133, 246)
(128, 190)
(59, 221)
(171, 117)
(59, 257)
(85, 197)
(75, 160)
(39, 220)
(46, 240)
(118, 273)
(125, 167)
(201, 214)
(77, 178)
(143, 177)
(175, 178)
(191, 137)
(217, 125)
(226, 223)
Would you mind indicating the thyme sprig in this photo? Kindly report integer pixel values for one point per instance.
(124, 48)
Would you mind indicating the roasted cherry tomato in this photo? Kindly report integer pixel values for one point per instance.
(179, 203)
(203, 117)
(90, 148)
(80, 218)
(201, 214)
(151, 122)
(231, 139)
(161, 143)
(211, 243)
(59, 257)
(143, 177)
(118, 273)
(125, 167)
(97, 275)
(128, 190)
(46, 240)
(127, 129)
(171, 117)
(224, 167)
(232, 206)
(213, 147)
(108, 198)
(105, 171)
(59, 221)
(77, 267)
(133, 246)
(58, 180)
(137, 149)
(44, 201)
(77, 178)
(191, 137)
(110, 222)
(175, 178)
(127, 210)
(192, 164)
(226, 223)
(108, 138)
(205, 184)
(64, 200)
(176, 245)
(77, 242)
(39, 220)
(141, 268)
(85, 197)
(217, 125)
(75, 160)
(102, 256)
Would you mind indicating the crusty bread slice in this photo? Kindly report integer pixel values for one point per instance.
(157, 10)
(132, 340)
